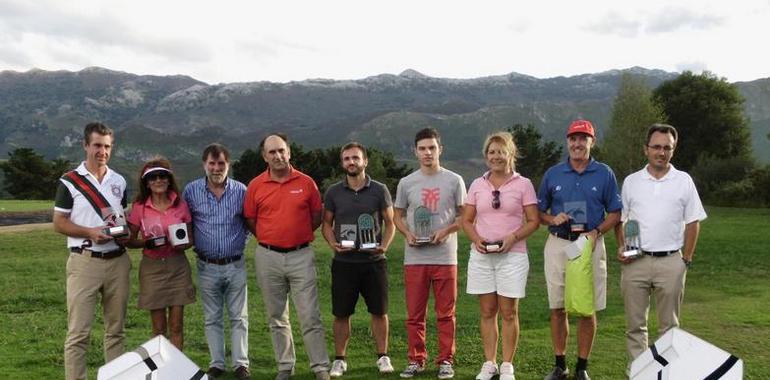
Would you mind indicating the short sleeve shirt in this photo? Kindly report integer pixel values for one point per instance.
(495, 224)
(154, 223)
(348, 206)
(442, 194)
(283, 210)
(69, 200)
(662, 207)
(585, 196)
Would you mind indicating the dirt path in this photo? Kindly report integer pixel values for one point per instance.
(25, 227)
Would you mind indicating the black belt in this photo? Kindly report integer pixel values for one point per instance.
(660, 253)
(282, 249)
(571, 236)
(222, 261)
(99, 255)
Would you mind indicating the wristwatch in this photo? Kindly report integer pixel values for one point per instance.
(598, 232)
(687, 263)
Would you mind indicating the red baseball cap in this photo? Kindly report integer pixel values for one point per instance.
(581, 126)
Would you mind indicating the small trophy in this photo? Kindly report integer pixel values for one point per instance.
(116, 231)
(493, 246)
(348, 235)
(577, 216)
(178, 234)
(423, 225)
(366, 232)
(633, 242)
(155, 242)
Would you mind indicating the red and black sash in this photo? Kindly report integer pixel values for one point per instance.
(89, 191)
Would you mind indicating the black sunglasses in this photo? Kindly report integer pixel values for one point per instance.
(156, 176)
(496, 199)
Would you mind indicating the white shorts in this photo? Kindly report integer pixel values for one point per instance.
(501, 273)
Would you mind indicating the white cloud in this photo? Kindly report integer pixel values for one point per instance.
(246, 40)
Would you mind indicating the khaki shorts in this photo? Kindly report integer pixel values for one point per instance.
(556, 264)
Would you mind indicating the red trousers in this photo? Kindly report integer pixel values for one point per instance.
(418, 280)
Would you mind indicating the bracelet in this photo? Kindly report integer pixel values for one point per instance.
(598, 232)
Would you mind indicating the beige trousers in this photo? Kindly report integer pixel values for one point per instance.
(663, 277)
(87, 278)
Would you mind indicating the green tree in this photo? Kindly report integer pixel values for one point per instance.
(323, 165)
(633, 111)
(29, 176)
(534, 155)
(708, 113)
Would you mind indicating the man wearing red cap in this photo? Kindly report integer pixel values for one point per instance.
(573, 199)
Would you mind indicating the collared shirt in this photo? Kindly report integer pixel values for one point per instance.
(154, 223)
(283, 210)
(219, 228)
(71, 201)
(495, 224)
(348, 205)
(662, 207)
(585, 196)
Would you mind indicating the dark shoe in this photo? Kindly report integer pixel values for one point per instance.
(557, 374)
(242, 373)
(215, 372)
(582, 375)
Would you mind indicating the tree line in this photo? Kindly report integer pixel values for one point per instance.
(714, 146)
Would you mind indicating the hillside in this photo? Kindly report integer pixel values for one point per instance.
(177, 115)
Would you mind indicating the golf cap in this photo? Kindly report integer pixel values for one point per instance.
(581, 126)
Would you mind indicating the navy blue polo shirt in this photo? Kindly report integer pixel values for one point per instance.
(585, 196)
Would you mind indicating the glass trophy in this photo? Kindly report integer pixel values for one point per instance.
(578, 218)
(348, 235)
(633, 243)
(423, 225)
(366, 233)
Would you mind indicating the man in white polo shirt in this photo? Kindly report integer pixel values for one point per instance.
(665, 203)
(90, 199)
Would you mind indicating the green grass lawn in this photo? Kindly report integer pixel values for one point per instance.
(12, 205)
(727, 302)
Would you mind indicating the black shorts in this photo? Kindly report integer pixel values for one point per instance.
(351, 279)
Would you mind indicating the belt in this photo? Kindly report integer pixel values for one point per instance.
(660, 253)
(99, 255)
(571, 236)
(282, 249)
(222, 261)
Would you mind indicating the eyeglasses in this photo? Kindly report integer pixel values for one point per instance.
(496, 199)
(156, 176)
(665, 148)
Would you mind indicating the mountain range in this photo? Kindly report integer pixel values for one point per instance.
(177, 116)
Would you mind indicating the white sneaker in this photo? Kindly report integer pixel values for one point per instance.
(506, 371)
(445, 370)
(338, 368)
(383, 364)
(488, 371)
(412, 369)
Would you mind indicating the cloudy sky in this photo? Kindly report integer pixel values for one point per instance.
(279, 41)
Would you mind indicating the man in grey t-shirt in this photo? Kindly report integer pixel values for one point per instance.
(358, 225)
(437, 195)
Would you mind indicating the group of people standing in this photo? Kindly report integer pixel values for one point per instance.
(282, 208)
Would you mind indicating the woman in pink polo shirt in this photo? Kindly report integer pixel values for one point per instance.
(500, 213)
(165, 284)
